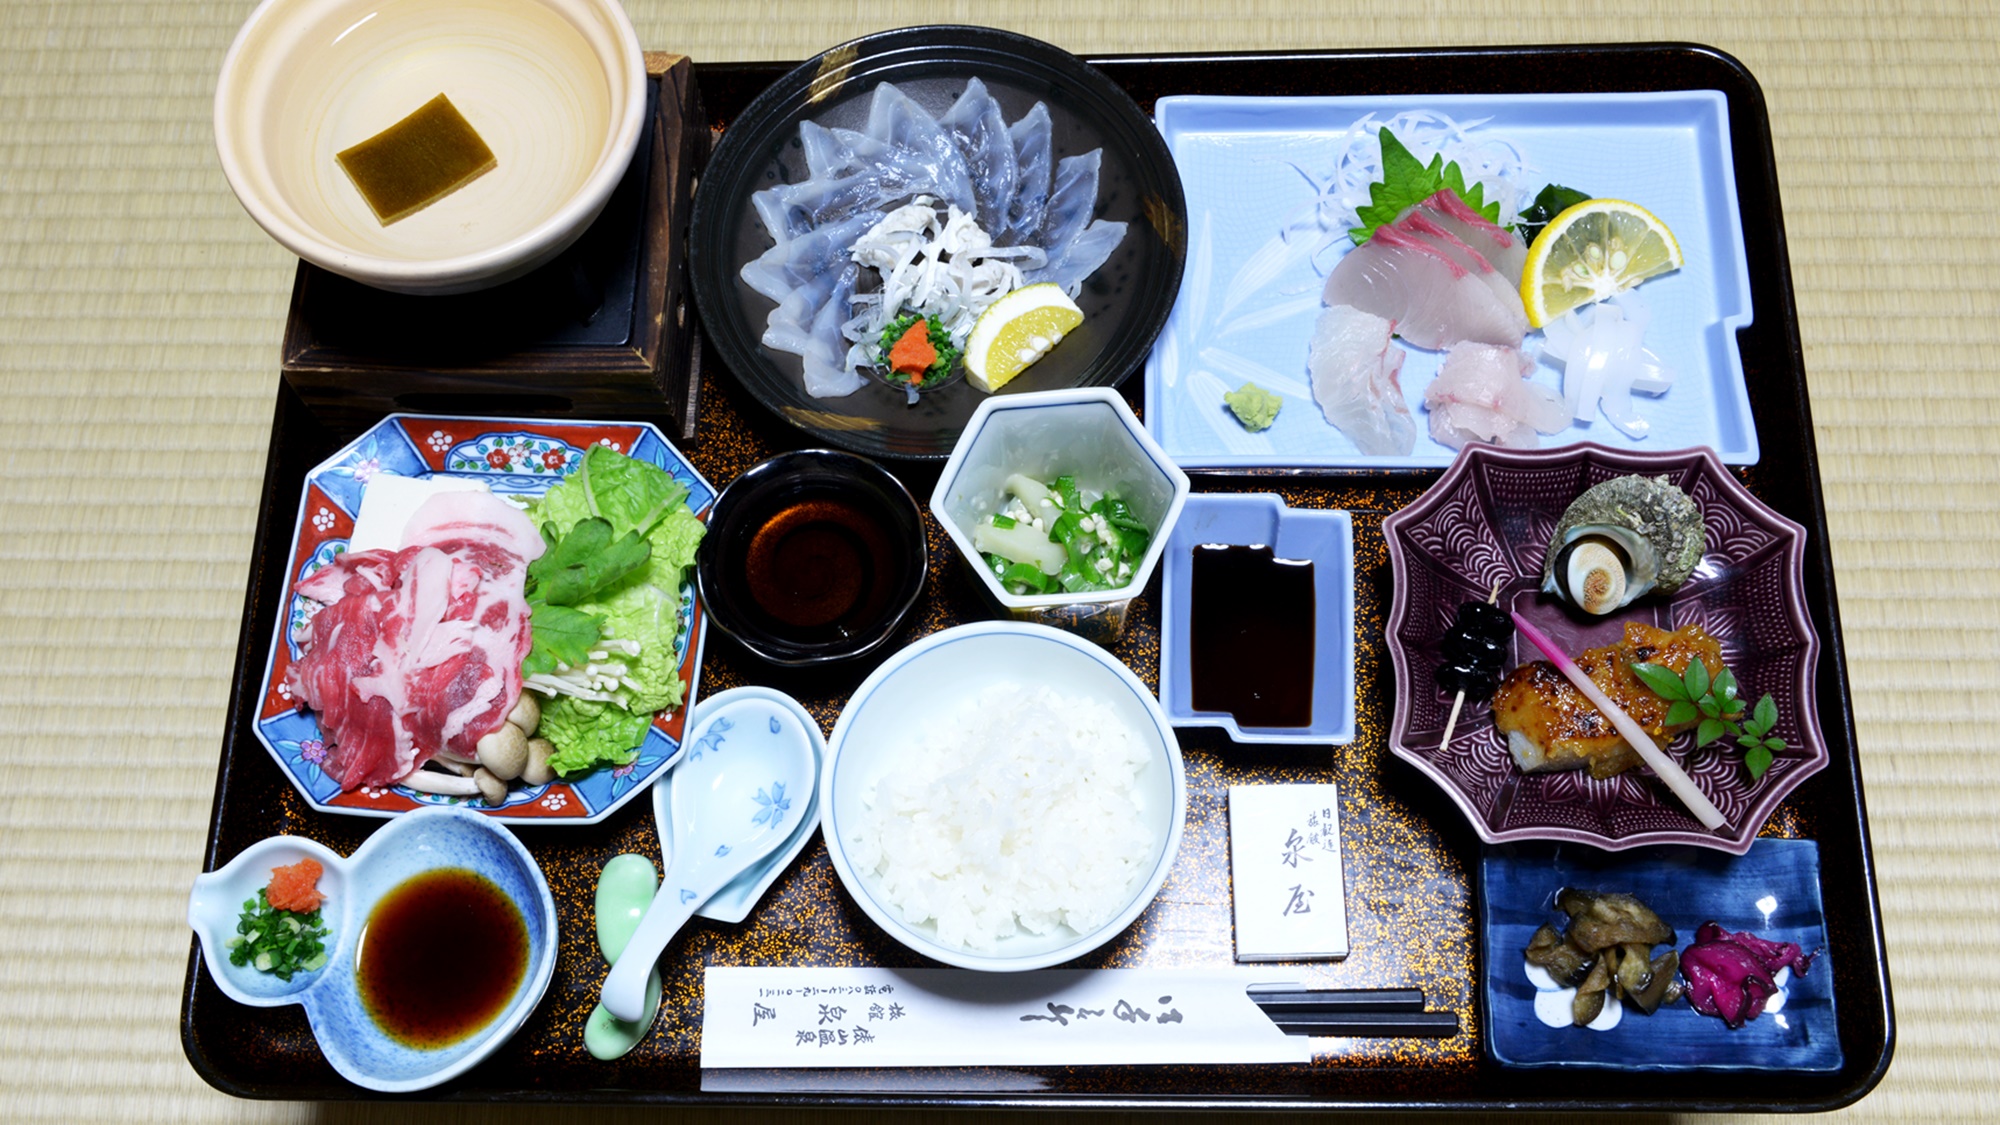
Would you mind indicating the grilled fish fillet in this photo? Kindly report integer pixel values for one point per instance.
(1550, 725)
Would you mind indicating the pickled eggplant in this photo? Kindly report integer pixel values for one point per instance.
(1606, 951)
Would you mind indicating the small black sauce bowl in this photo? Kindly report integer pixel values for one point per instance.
(786, 517)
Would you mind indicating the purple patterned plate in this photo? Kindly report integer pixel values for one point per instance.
(1489, 519)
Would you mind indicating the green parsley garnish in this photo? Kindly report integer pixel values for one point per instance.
(1692, 693)
(947, 354)
(1406, 183)
(279, 942)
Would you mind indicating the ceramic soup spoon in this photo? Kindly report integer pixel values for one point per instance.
(735, 798)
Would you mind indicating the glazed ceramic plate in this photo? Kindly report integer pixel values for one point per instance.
(1261, 239)
(515, 457)
(733, 903)
(1771, 890)
(1124, 303)
(352, 1041)
(1324, 537)
(1488, 520)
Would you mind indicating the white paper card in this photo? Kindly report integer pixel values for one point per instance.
(1284, 862)
(788, 1017)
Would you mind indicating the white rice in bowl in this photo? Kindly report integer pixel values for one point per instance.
(1018, 810)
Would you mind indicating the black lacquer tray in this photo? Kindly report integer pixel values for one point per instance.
(1412, 861)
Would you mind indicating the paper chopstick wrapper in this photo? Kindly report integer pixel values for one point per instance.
(797, 1017)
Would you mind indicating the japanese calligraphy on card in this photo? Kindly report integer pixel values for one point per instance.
(1284, 864)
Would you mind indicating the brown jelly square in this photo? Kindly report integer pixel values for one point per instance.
(417, 161)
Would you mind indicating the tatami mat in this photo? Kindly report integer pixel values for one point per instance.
(140, 312)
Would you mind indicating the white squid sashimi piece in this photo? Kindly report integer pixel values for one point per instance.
(1034, 161)
(975, 124)
(875, 175)
(792, 265)
(1081, 257)
(1071, 202)
(1601, 349)
(1434, 301)
(901, 123)
(1496, 244)
(1481, 393)
(827, 372)
(1355, 379)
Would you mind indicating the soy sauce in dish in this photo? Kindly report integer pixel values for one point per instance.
(820, 566)
(1250, 635)
(442, 955)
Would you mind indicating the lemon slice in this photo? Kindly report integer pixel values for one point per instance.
(1594, 250)
(1017, 330)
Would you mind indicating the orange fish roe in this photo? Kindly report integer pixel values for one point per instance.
(296, 888)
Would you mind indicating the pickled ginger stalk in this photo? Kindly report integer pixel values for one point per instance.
(1676, 778)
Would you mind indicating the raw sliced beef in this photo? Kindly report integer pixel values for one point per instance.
(419, 650)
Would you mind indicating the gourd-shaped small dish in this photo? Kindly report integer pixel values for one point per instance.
(354, 1042)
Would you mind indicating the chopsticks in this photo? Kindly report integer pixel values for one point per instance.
(1352, 1012)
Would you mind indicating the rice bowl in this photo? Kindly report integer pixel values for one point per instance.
(958, 851)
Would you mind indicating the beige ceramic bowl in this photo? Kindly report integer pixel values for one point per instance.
(556, 88)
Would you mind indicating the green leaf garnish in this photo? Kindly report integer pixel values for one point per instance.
(583, 562)
(1553, 200)
(562, 636)
(279, 942)
(1694, 692)
(1406, 182)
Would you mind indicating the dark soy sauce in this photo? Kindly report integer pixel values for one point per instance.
(820, 567)
(1250, 640)
(441, 956)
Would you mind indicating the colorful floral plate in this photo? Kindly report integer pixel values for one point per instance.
(1772, 890)
(519, 457)
(1488, 520)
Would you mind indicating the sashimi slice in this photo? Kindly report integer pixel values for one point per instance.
(1416, 225)
(1434, 301)
(1481, 394)
(1034, 159)
(1496, 244)
(1355, 371)
(974, 124)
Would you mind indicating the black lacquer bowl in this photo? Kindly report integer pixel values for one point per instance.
(1125, 303)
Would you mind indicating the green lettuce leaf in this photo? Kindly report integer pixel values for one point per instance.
(586, 733)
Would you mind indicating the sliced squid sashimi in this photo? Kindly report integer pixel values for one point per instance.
(902, 124)
(1601, 350)
(1434, 301)
(1355, 379)
(1481, 394)
(1496, 244)
(791, 265)
(1034, 160)
(975, 125)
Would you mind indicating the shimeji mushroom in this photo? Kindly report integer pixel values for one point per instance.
(504, 753)
(443, 784)
(538, 771)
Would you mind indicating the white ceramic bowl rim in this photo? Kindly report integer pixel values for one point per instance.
(561, 224)
(1043, 400)
(962, 958)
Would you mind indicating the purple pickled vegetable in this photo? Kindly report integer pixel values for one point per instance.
(1730, 975)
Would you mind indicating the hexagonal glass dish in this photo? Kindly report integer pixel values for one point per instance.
(1324, 537)
(514, 457)
(1488, 520)
(1088, 433)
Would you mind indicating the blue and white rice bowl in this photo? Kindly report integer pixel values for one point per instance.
(925, 683)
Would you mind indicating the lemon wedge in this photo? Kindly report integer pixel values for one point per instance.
(1017, 330)
(1594, 250)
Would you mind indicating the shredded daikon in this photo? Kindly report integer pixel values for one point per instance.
(942, 267)
(1496, 162)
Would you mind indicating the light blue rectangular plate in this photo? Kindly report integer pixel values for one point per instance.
(1244, 163)
(1325, 536)
(1771, 890)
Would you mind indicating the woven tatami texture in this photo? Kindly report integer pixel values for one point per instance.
(140, 312)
